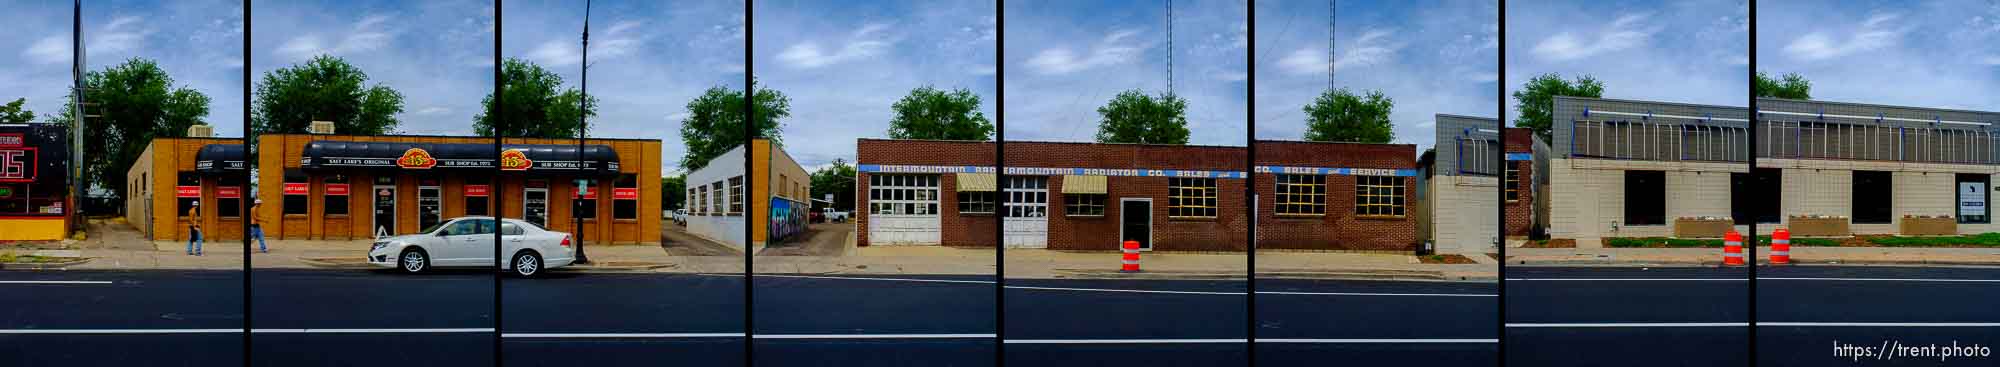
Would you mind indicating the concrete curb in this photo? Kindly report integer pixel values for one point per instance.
(336, 263)
(1837, 262)
(1617, 263)
(44, 266)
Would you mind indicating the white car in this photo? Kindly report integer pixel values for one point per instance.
(468, 242)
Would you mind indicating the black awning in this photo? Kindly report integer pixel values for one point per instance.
(219, 158)
(331, 154)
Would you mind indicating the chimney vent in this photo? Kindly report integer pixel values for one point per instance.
(321, 128)
(200, 131)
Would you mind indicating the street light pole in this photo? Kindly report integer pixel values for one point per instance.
(582, 121)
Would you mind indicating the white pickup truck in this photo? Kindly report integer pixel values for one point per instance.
(833, 216)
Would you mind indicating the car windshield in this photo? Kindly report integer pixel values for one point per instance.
(434, 227)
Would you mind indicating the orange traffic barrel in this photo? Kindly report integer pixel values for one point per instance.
(1131, 262)
(1732, 248)
(1781, 247)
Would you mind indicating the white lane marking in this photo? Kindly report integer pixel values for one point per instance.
(120, 331)
(1889, 280)
(55, 282)
(1881, 324)
(873, 336)
(620, 335)
(1629, 324)
(1377, 341)
(1124, 341)
(1113, 290)
(1629, 279)
(372, 331)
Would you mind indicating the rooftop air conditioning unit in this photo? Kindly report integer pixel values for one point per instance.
(200, 131)
(321, 128)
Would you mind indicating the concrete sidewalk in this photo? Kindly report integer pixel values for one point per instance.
(1046, 264)
(1713, 256)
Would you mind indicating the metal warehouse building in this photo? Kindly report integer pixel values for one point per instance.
(1836, 169)
(716, 201)
(1463, 177)
(1089, 196)
(323, 186)
(1624, 168)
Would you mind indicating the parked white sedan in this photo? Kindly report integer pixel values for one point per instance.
(468, 242)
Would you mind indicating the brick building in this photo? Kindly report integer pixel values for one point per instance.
(338, 187)
(1835, 169)
(1622, 168)
(1089, 196)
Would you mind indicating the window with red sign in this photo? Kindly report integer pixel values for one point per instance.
(625, 198)
(476, 191)
(229, 196)
(295, 190)
(335, 187)
(585, 204)
(187, 192)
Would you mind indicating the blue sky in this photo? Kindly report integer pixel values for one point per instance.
(1691, 51)
(1065, 59)
(845, 63)
(198, 42)
(1913, 53)
(648, 59)
(1430, 57)
(439, 54)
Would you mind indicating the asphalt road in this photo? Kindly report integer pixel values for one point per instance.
(338, 318)
(1627, 316)
(1804, 312)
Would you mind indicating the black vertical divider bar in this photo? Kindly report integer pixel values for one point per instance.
(1500, 112)
(249, 161)
(1250, 188)
(499, 209)
(749, 182)
(1751, 125)
(1000, 164)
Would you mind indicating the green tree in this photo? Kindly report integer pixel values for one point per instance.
(1536, 98)
(325, 88)
(136, 101)
(672, 188)
(1792, 86)
(1341, 116)
(536, 105)
(836, 179)
(15, 113)
(1134, 117)
(929, 113)
(715, 122)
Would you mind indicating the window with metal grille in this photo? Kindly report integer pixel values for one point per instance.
(1083, 205)
(1027, 196)
(1513, 183)
(1191, 197)
(903, 194)
(1378, 196)
(1301, 195)
(975, 202)
(736, 195)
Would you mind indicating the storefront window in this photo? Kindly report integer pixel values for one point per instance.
(1191, 197)
(229, 196)
(1378, 196)
(1303, 195)
(585, 206)
(295, 191)
(476, 191)
(335, 189)
(625, 198)
(186, 193)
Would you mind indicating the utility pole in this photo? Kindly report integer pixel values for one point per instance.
(77, 64)
(582, 125)
(1170, 47)
(1330, 54)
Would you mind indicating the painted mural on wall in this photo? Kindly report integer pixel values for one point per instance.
(788, 218)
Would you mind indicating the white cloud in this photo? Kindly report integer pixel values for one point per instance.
(1624, 33)
(121, 35)
(366, 35)
(1371, 48)
(49, 50)
(1875, 33)
(862, 43)
(983, 70)
(433, 110)
(1113, 49)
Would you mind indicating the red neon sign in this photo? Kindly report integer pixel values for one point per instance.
(229, 192)
(187, 191)
(296, 188)
(477, 190)
(625, 193)
(336, 189)
(18, 164)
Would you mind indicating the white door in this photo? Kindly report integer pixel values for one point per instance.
(903, 210)
(1027, 204)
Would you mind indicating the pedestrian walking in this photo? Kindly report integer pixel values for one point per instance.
(194, 229)
(257, 225)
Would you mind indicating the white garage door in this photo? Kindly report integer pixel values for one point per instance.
(1027, 212)
(903, 209)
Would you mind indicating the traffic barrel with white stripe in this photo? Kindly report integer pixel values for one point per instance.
(1131, 262)
(1732, 248)
(1781, 247)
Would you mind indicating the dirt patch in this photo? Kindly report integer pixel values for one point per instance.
(1446, 259)
(1551, 243)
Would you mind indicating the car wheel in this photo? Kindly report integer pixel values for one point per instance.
(527, 264)
(413, 261)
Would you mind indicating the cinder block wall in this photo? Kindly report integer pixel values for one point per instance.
(1588, 195)
(1467, 225)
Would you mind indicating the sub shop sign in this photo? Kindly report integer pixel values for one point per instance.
(1971, 198)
